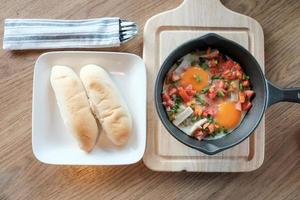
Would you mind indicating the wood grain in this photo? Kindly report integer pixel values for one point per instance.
(23, 177)
(163, 33)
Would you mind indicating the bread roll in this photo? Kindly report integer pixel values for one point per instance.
(107, 103)
(74, 106)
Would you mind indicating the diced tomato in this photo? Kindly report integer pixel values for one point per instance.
(172, 90)
(211, 110)
(212, 95)
(242, 98)
(213, 54)
(212, 92)
(214, 70)
(239, 75)
(237, 67)
(219, 84)
(166, 97)
(238, 106)
(233, 75)
(249, 93)
(246, 83)
(227, 74)
(199, 134)
(189, 90)
(246, 106)
(212, 64)
(228, 64)
(175, 77)
(198, 110)
(211, 128)
(186, 98)
(188, 87)
(167, 102)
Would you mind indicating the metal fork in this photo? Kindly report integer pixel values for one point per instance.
(128, 30)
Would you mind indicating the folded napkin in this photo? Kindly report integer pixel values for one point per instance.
(46, 34)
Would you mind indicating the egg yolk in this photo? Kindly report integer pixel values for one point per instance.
(227, 115)
(196, 77)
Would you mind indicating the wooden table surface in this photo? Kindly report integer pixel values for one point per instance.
(23, 177)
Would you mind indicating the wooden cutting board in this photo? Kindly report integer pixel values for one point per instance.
(162, 34)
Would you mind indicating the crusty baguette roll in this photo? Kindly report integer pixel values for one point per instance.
(74, 106)
(107, 103)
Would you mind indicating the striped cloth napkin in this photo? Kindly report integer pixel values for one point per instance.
(47, 34)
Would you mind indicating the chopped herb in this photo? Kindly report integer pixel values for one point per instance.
(210, 119)
(205, 90)
(220, 94)
(198, 78)
(175, 109)
(241, 86)
(245, 77)
(200, 100)
(216, 62)
(178, 100)
(204, 66)
(194, 119)
(214, 77)
(194, 62)
(221, 130)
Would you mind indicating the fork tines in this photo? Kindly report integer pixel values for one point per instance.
(128, 30)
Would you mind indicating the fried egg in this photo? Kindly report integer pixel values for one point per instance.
(195, 76)
(227, 115)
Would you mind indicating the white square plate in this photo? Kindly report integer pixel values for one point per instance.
(53, 144)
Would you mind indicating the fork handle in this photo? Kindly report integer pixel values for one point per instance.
(47, 33)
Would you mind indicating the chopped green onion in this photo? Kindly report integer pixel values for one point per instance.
(245, 77)
(198, 78)
(210, 119)
(194, 119)
(214, 77)
(204, 66)
(205, 90)
(220, 94)
(200, 100)
(174, 109)
(222, 130)
(178, 100)
(241, 86)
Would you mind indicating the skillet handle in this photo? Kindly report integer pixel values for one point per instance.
(277, 94)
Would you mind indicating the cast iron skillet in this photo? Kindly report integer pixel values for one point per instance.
(266, 93)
